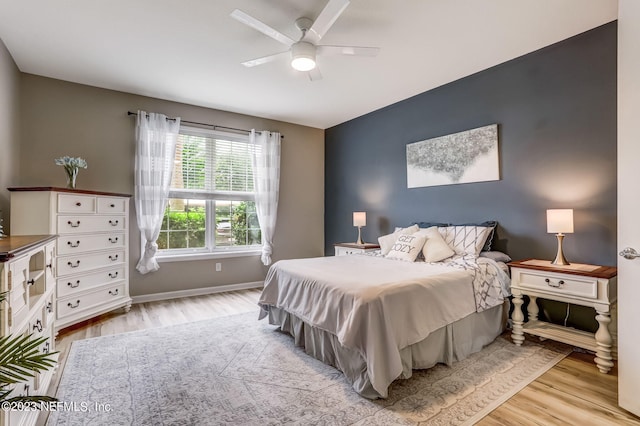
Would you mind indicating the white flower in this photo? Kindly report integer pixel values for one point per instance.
(71, 162)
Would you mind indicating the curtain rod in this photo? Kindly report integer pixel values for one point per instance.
(215, 126)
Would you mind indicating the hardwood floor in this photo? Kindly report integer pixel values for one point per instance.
(571, 393)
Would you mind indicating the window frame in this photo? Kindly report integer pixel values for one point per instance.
(210, 251)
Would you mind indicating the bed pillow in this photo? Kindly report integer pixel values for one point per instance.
(489, 224)
(465, 239)
(425, 225)
(387, 241)
(435, 248)
(497, 256)
(407, 247)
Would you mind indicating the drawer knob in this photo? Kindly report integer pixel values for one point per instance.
(71, 244)
(77, 223)
(112, 205)
(113, 240)
(31, 281)
(113, 222)
(74, 285)
(38, 325)
(49, 265)
(72, 265)
(72, 306)
(113, 275)
(113, 258)
(113, 292)
(78, 204)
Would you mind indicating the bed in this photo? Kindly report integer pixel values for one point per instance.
(376, 318)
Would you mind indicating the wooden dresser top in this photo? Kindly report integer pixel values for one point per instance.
(58, 189)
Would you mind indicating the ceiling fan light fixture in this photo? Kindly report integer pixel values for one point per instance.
(303, 56)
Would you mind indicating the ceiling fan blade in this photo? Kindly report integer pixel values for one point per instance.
(347, 50)
(263, 60)
(261, 26)
(315, 74)
(325, 20)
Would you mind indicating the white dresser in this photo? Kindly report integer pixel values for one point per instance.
(27, 268)
(92, 266)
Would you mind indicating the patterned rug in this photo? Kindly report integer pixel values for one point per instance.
(237, 371)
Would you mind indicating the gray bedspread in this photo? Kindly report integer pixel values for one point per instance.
(379, 306)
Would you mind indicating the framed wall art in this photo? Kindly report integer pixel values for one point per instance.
(464, 157)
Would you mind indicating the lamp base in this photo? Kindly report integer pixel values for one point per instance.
(560, 259)
(359, 237)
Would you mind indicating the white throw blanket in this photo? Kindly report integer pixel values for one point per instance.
(378, 306)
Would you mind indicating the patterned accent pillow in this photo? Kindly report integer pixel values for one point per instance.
(407, 247)
(465, 239)
(387, 241)
(489, 224)
(435, 248)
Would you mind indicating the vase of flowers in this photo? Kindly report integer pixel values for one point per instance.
(71, 166)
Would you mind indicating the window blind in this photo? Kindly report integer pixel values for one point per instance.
(212, 165)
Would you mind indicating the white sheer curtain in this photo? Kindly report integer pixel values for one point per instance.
(156, 138)
(266, 179)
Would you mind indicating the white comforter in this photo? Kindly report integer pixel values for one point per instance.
(378, 306)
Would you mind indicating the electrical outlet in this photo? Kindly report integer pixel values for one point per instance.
(218, 267)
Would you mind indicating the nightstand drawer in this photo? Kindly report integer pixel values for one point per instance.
(560, 284)
(343, 251)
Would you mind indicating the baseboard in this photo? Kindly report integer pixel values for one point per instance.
(195, 292)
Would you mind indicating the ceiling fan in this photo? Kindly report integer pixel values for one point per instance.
(304, 51)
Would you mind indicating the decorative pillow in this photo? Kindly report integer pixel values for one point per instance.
(489, 224)
(465, 239)
(435, 248)
(407, 247)
(497, 256)
(387, 241)
(425, 225)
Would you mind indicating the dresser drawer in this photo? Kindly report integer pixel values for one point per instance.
(81, 283)
(75, 203)
(80, 224)
(72, 305)
(108, 205)
(559, 284)
(83, 243)
(85, 262)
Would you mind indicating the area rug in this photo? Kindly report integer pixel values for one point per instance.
(236, 370)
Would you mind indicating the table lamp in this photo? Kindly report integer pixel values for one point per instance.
(359, 220)
(559, 222)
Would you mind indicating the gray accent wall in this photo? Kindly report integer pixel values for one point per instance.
(9, 129)
(61, 118)
(556, 112)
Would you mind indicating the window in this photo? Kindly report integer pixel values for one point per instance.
(211, 201)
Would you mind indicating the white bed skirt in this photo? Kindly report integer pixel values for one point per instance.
(448, 344)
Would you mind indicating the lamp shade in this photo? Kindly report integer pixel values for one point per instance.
(560, 221)
(359, 219)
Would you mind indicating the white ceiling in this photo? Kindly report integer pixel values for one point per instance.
(190, 51)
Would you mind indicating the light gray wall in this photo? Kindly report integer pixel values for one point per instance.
(61, 118)
(9, 129)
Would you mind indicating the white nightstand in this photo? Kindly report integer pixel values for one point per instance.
(343, 249)
(578, 284)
